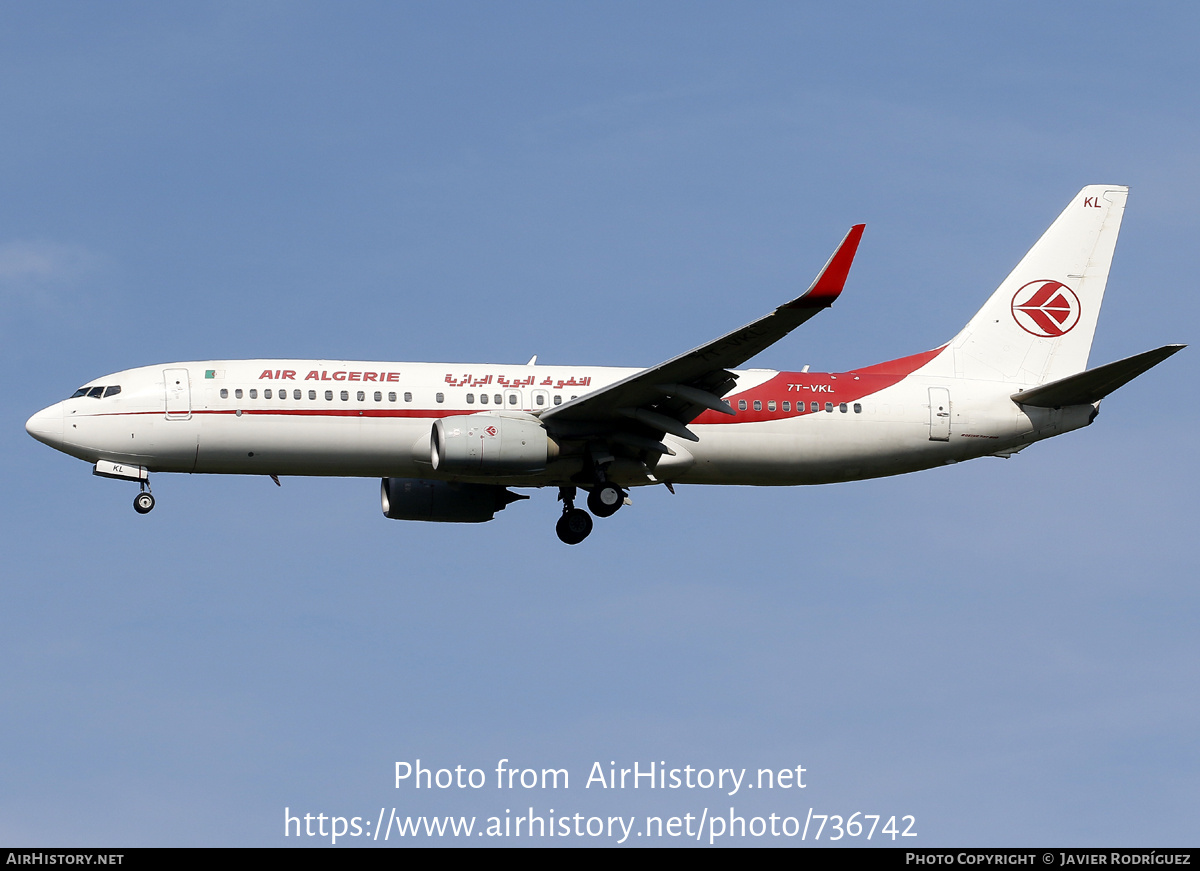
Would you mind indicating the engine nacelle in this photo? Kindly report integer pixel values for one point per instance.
(442, 501)
(489, 444)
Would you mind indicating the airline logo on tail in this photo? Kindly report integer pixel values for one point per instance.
(1046, 308)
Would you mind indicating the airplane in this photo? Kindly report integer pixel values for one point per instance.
(448, 441)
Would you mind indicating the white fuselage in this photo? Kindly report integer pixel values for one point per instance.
(340, 418)
(450, 440)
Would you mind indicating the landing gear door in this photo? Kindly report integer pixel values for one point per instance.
(939, 414)
(178, 393)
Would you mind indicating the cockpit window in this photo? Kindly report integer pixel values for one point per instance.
(96, 392)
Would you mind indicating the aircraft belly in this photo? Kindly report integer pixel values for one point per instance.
(802, 451)
(887, 438)
(172, 442)
(828, 447)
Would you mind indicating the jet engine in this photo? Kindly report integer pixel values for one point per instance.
(490, 444)
(443, 501)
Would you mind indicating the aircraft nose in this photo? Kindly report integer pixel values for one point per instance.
(47, 425)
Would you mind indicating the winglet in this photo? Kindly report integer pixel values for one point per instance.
(829, 283)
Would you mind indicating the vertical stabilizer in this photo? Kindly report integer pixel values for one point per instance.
(1038, 325)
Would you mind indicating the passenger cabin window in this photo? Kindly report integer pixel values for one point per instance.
(557, 399)
(237, 394)
(858, 408)
(816, 406)
(512, 399)
(842, 408)
(787, 406)
(379, 396)
(483, 399)
(499, 399)
(741, 405)
(345, 395)
(254, 394)
(829, 406)
(771, 405)
(470, 399)
(329, 396)
(267, 393)
(391, 397)
(758, 405)
(224, 392)
(362, 397)
(441, 397)
(407, 396)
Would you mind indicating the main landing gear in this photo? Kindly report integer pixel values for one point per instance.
(143, 503)
(576, 524)
(605, 499)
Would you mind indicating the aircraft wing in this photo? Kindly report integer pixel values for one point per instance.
(667, 397)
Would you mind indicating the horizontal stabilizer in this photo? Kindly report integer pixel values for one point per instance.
(1093, 385)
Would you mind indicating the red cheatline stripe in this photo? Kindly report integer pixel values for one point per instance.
(303, 412)
(845, 387)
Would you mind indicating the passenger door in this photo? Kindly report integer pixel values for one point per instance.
(178, 394)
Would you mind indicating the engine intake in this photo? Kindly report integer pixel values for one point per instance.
(443, 501)
(474, 443)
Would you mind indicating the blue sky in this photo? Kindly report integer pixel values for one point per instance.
(1005, 650)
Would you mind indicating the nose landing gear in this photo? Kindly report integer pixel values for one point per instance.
(143, 503)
